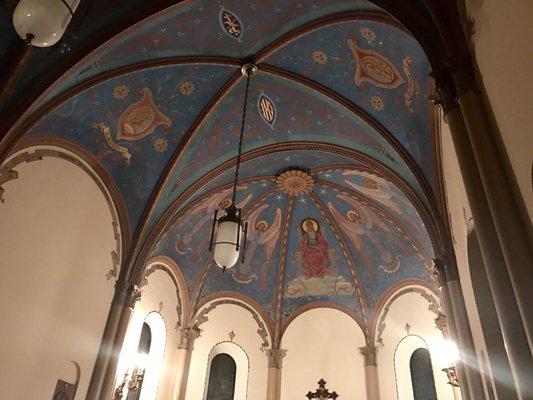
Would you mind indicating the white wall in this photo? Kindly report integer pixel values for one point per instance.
(56, 240)
(221, 321)
(502, 45)
(323, 343)
(411, 309)
(160, 290)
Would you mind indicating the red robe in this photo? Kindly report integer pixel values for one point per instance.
(315, 258)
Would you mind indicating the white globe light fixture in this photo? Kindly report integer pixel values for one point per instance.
(228, 234)
(43, 22)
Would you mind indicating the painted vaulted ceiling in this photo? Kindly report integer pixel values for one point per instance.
(339, 107)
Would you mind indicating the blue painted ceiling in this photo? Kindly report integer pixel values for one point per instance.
(344, 98)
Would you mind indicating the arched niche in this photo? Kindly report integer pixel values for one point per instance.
(402, 365)
(323, 343)
(242, 368)
(232, 321)
(61, 244)
(407, 321)
(161, 296)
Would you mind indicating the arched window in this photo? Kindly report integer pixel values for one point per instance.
(222, 376)
(143, 348)
(422, 375)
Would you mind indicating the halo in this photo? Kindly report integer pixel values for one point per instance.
(260, 224)
(314, 221)
(353, 212)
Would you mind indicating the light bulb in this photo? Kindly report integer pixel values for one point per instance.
(46, 21)
(444, 351)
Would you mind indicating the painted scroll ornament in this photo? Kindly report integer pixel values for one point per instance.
(138, 120)
(373, 67)
(412, 86)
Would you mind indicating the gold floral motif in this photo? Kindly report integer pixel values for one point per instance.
(320, 57)
(187, 88)
(295, 182)
(377, 103)
(160, 145)
(120, 92)
(368, 33)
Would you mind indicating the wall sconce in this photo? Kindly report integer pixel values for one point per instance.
(136, 377)
(451, 373)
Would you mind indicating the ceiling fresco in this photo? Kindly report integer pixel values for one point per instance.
(345, 237)
(341, 106)
(133, 123)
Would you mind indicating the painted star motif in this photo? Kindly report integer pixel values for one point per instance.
(287, 158)
(302, 201)
(264, 184)
(322, 191)
(279, 197)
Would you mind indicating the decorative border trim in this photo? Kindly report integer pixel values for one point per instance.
(166, 264)
(210, 303)
(429, 295)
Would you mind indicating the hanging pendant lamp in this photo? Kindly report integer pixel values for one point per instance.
(228, 235)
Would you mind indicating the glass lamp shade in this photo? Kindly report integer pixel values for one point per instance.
(226, 253)
(45, 20)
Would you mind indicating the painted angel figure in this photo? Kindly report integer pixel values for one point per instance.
(263, 235)
(360, 223)
(207, 208)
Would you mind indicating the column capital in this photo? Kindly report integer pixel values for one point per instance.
(463, 77)
(275, 357)
(445, 94)
(445, 271)
(133, 296)
(187, 336)
(370, 355)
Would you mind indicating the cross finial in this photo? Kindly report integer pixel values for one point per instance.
(322, 393)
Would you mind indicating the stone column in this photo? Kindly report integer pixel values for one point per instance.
(511, 227)
(507, 309)
(451, 288)
(275, 357)
(371, 372)
(110, 330)
(452, 328)
(133, 295)
(185, 347)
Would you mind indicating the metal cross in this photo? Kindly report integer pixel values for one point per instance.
(322, 393)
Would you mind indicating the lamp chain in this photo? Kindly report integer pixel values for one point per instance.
(234, 195)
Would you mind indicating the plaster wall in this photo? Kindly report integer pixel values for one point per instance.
(409, 325)
(323, 343)
(222, 320)
(158, 296)
(56, 239)
(502, 46)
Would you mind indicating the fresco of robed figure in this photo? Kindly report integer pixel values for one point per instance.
(314, 248)
(317, 275)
